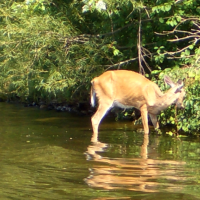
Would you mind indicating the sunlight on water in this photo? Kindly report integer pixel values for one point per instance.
(49, 155)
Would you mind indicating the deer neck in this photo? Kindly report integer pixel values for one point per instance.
(165, 100)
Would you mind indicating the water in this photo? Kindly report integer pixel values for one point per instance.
(48, 155)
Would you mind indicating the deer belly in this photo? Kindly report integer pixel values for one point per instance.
(125, 105)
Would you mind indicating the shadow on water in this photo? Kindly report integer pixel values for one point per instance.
(48, 155)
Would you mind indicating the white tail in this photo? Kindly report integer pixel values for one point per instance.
(128, 89)
(92, 96)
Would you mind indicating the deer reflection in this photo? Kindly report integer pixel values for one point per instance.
(138, 174)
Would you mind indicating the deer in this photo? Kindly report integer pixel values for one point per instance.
(127, 89)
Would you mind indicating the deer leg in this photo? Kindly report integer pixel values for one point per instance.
(97, 117)
(154, 121)
(144, 115)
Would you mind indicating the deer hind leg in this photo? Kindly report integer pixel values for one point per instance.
(144, 115)
(154, 121)
(97, 117)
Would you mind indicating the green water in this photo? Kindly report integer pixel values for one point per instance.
(48, 155)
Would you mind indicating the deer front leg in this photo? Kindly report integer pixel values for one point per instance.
(144, 115)
(155, 123)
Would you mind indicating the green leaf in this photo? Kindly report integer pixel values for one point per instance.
(170, 133)
(167, 8)
(85, 8)
(191, 74)
(43, 7)
(161, 20)
(116, 52)
(155, 9)
(182, 136)
(154, 72)
(191, 47)
(187, 52)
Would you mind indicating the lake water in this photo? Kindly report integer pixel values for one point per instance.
(48, 155)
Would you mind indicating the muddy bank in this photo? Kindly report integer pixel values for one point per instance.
(79, 108)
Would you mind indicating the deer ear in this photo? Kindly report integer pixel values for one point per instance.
(169, 81)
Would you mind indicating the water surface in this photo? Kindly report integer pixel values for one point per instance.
(49, 155)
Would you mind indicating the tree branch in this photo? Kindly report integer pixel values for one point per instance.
(141, 51)
(141, 69)
(120, 63)
(184, 38)
(192, 36)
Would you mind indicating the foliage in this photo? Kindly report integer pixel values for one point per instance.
(31, 48)
(41, 54)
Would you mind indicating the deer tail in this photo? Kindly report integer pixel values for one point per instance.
(92, 95)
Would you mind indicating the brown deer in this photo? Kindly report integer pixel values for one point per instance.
(128, 89)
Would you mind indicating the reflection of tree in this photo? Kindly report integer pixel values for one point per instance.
(138, 174)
